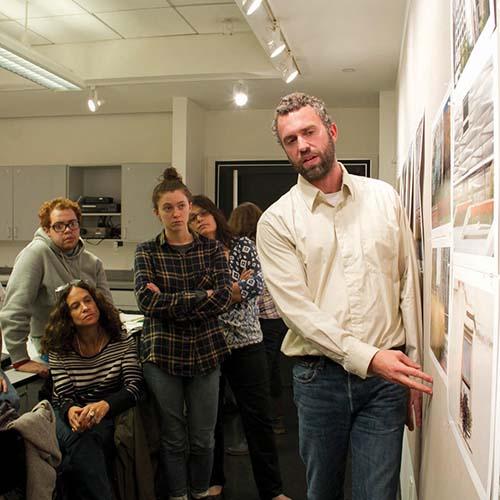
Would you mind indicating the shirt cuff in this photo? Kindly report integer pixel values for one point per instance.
(18, 353)
(358, 357)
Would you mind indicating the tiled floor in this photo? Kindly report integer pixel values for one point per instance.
(240, 483)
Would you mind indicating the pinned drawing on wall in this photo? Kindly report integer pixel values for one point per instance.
(440, 297)
(474, 220)
(440, 236)
(471, 372)
(441, 172)
(473, 22)
(418, 190)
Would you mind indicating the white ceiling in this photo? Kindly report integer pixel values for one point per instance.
(141, 53)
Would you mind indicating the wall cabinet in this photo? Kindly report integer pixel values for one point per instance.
(22, 190)
(138, 182)
(131, 186)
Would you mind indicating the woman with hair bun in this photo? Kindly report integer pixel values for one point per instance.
(246, 369)
(182, 285)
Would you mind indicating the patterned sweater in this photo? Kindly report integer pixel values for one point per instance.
(241, 323)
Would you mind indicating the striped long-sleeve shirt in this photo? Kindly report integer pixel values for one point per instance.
(114, 375)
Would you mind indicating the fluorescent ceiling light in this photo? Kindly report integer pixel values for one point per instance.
(250, 6)
(27, 63)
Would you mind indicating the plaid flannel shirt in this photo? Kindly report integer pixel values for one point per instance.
(181, 332)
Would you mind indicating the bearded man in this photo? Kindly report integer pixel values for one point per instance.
(338, 258)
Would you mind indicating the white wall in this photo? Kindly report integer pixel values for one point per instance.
(188, 142)
(246, 135)
(148, 138)
(387, 132)
(96, 139)
(424, 76)
(85, 140)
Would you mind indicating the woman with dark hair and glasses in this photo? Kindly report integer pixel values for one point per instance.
(243, 221)
(182, 284)
(246, 369)
(96, 376)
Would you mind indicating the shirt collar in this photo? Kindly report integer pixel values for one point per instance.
(162, 240)
(312, 195)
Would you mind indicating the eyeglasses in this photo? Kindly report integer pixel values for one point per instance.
(61, 289)
(194, 215)
(60, 227)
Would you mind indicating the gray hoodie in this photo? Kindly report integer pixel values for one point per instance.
(38, 270)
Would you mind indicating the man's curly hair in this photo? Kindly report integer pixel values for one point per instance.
(60, 330)
(296, 101)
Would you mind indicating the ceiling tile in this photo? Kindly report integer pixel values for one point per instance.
(147, 23)
(115, 5)
(15, 30)
(72, 29)
(208, 18)
(198, 2)
(11, 81)
(39, 8)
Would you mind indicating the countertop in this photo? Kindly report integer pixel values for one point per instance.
(118, 279)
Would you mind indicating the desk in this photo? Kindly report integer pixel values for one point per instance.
(27, 386)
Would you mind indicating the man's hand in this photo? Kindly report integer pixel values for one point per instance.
(414, 410)
(3, 384)
(34, 367)
(397, 367)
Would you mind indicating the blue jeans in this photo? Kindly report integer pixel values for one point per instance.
(336, 408)
(87, 460)
(11, 394)
(199, 394)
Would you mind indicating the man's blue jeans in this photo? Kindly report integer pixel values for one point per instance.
(199, 395)
(335, 409)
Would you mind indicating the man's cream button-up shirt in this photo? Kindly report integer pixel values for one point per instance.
(343, 277)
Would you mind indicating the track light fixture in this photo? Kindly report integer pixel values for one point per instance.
(93, 101)
(276, 44)
(250, 6)
(266, 28)
(289, 69)
(240, 93)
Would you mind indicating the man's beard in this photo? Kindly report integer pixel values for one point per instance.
(322, 169)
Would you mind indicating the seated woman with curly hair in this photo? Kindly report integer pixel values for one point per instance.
(96, 376)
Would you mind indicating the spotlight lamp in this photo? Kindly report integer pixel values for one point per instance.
(289, 70)
(93, 101)
(240, 93)
(276, 44)
(250, 6)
